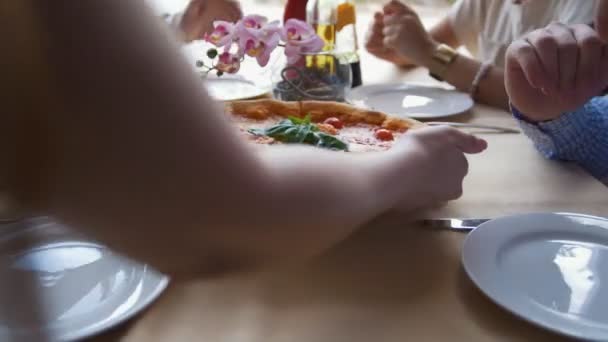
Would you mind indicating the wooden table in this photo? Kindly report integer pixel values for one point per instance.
(393, 280)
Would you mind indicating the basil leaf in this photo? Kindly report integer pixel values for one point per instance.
(331, 142)
(295, 120)
(296, 130)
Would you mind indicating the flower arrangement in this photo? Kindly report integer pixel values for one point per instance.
(254, 36)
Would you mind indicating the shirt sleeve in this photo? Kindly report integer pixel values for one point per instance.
(466, 19)
(579, 136)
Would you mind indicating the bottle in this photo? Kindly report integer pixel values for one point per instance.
(346, 44)
(321, 15)
(295, 9)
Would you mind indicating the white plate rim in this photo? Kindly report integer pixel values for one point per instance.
(585, 332)
(13, 229)
(357, 95)
(261, 91)
(134, 311)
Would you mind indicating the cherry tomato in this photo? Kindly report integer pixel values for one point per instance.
(384, 134)
(334, 122)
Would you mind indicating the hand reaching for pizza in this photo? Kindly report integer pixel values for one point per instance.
(441, 165)
(555, 70)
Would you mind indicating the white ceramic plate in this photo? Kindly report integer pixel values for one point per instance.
(411, 100)
(57, 286)
(549, 269)
(227, 88)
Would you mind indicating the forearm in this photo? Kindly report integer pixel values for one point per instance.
(443, 33)
(313, 200)
(461, 74)
(140, 157)
(490, 90)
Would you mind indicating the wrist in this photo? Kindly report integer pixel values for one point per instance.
(530, 116)
(426, 57)
(399, 165)
(439, 62)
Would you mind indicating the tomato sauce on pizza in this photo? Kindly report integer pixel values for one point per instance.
(332, 125)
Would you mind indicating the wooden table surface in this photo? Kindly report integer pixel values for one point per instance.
(393, 280)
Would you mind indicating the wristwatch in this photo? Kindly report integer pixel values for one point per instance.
(441, 59)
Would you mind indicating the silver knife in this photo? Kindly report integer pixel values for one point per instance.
(461, 225)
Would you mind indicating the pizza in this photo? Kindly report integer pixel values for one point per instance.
(332, 125)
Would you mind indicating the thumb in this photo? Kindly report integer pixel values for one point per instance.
(467, 143)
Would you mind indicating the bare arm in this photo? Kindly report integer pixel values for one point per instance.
(491, 89)
(141, 158)
(442, 32)
(404, 32)
(461, 73)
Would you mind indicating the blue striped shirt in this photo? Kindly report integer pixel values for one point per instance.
(580, 136)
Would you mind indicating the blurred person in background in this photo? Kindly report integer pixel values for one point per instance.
(484, 27)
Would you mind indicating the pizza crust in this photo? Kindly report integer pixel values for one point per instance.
(319, 111)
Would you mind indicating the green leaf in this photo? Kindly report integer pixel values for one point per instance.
(300, 121)
(212, 53)
(302, 131)
(331, 142)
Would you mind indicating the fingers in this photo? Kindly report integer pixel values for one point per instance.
(395, 7)
(465, 142)
(374, 34)
(378, 23)
(601, 19)
(394, 25)
(604, 66)
(195, 8)
(522, 56)
(378, 17)
(391, 30)
(546, 44)
(590, 54)
(567, 54)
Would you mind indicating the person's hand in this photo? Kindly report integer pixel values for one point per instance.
(404, 33)
(555, 70)
(439, 158)
(199, 16)
(374, 43)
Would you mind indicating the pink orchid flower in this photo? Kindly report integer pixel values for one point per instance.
(259, 42)
(253, 21)
(299, 38)
(223, 33)
(228, 62)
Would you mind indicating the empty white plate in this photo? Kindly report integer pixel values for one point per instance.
(228, 88)
(411, 100)
(57, 286)
(549, 269)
